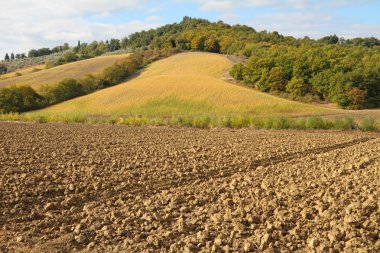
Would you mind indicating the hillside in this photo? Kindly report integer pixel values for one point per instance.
(23, 71)
(71, 70)
(184, 84)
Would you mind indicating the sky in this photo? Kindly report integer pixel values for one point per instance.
(28, 24)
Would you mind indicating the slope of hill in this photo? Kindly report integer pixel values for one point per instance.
(56, 74)
(23, 71)
(184, 84)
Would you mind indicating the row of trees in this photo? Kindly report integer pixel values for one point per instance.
(98, 48)
(24, 98)
(47, 51)
(37, 52)
(14, 56)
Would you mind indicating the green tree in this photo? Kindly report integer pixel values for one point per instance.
(19, 99)
(114, 45)
(263, 83)
(70, 57)
(3, 69)
(212, 45)
(277, 79)
(296, 87)
(198, 43)
(357, 98)
(237, 71)
(65, 90)
(124, 43)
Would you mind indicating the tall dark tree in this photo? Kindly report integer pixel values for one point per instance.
(114, 45)
(3, 69)
(6, 58)
(12, 56)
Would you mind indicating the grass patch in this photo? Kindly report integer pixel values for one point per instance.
(369, 125)
(205, 121)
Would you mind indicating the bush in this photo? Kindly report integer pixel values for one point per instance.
(368, 124)
(19, 99)
(316, 123)
(91, 83)
(65, 90)
(344, 123)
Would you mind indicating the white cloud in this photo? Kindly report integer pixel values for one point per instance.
(217, 5)
(295, 23)
(298, 18)
(314, 25)
(26, 24)
(153, 19)
(37, 23)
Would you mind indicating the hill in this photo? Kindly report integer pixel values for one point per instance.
(184, 84)
(328, 70)
(71, 70)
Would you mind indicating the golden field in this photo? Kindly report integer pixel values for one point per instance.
(53, 75)
(23, 71)
(184, 84)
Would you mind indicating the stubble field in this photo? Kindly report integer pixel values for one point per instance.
(105, 188)
(50, 77)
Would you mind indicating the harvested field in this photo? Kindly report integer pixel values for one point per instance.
(183, 84)
(54, 75)
(104, 188)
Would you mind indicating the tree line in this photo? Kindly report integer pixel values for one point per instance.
(346, 75)
(25, 98)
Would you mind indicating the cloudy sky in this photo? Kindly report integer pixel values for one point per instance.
(26, 24)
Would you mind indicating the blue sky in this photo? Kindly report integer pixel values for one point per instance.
(46, 23)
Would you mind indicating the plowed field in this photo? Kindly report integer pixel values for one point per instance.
(105, 188)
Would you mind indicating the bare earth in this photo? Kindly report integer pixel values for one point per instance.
(104, 188)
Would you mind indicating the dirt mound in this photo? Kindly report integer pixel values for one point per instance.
(103, 188)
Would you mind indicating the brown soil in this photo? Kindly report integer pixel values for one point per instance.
(104, 188)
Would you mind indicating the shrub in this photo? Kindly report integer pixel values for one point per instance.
(201, 122)
(19, 99)
(66, 89)
(280, 123)
(316, 123)
(344, 123)
(91, 83)
(368, 124)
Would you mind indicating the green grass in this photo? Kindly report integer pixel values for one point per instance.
(369, 124)
(204, 121)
